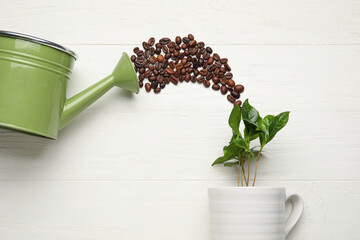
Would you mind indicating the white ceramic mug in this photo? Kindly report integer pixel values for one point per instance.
(252, 213)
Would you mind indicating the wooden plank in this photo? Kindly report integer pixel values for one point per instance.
(231, 22)
(156, 210)
(177, 134)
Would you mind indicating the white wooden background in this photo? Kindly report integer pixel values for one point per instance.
(138, 166)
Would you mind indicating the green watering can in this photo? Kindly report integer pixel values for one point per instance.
(33, 79)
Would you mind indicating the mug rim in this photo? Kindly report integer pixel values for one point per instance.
(247, 188)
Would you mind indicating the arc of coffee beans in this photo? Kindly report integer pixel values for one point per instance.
(184, 59)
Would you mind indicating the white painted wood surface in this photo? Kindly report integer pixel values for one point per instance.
(137, 167)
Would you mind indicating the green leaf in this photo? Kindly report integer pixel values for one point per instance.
(249, 113)
(231, 151)
(240, 142)
(264, 128)
(220, 160)
(235, 118)
(230, 164)
(250, 117)
(277, 123)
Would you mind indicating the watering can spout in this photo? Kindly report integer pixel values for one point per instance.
(123, 76)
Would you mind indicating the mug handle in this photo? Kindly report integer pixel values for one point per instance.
(297, 209)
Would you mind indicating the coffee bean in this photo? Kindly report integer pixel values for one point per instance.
(217, 64)
(235, 94)
(222, 69)
(172, 65)
(216, 57)
(186, 40)
(187, 77)
(238, 102)
(136, 49)
(228, 75)
(190, 36)
(209, 76)
(148, 87)
(230, 83)
(137, 64)
(160, 58)
(147, 73)
(141, 77)
(177, 73)
(162, 85)
(223, 60)
(206, 55)
(171, 44)
(192, 43)
(178, 40)
(188, 64)
(223, 89)
(145, 45)
(152, 78)
(201, 61)
(133, 58)
(164, 41)
(179, 66)
(216, 87)
(141, 70)
(140, 53)
(158, 45)
(152, 60)
(184, 61)
(147, 54)
(200, 79)
(165, 49)
(203, 72)
(239, 88)
(201, 44)
(206, 83)
(158, 50)
(151, 41)
(167, 56)
(183, 71)
(170, 71)
(141, 84)
(211, 68)
(210, 60)
(215, 79)
(194, 51)
(154, 85)
(209, 50)
(226, 65)
(157, 90)
(230, 98)
(174, 80)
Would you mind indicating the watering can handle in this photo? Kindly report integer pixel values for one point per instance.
(296, 211)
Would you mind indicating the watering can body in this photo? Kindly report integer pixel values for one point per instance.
(33, 81)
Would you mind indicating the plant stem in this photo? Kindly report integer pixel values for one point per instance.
(239, 174)
(248, 176)
(243, 170)
(257, 161)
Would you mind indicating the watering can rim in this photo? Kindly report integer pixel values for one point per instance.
(40, 41)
